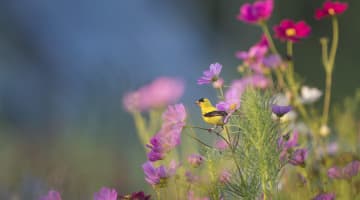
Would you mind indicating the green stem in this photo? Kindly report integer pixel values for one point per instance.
(269, 38)
(140, 125)
(272, 46)
(292, 83)
(329, 66)
(233, 155)
(158, 196)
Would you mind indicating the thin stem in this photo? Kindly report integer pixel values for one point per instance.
(158, 196)
(269, 38)
(329, 66)
(141, 128)
(198, 140)
(272, 46)
(324, 51)
(327, 98)
(335, 42)
(289, 48)
(292, 84)
(233, 155)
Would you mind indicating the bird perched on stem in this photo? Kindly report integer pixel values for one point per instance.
(210, 114)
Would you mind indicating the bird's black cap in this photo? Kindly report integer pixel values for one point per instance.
(201, 100)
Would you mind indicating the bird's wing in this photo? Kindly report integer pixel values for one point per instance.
(215, 113)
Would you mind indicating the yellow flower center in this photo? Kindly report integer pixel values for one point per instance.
(233, 106)
(290, 32)
(331, 11)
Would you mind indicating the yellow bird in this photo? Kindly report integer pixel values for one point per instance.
(210, 114)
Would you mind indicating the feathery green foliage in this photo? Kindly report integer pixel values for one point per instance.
(257, 150)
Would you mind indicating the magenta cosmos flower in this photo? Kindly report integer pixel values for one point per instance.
(330, 8)
(211, 75)
(288, 30)
(106, 194)
(299, 157)
(135, 196)
(169, 135)
(157, 176)
(51, 195)
(158, 94)
(325, 196)
(257, 12)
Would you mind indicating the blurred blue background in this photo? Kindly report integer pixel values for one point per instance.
(65, 66)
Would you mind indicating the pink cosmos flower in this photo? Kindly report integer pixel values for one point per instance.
(221, 145)
(159, 93)
(324, 196)
(257, 12)
(335, 173)
(211, 75)
(291, 31)
(254, 57)
(299, 157)
(330, 8)
(159, 175)
(106, 194)
(170, 133)
(51, 195)
(237, 88)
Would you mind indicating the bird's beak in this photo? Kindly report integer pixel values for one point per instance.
(197, 102)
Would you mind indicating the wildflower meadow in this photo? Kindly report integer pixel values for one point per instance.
(265, 135)
(268, 140)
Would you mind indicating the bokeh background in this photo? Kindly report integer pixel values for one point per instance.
(65, 66)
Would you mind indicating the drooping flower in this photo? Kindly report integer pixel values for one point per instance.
(169, 135)
(211, 75)
(257, 12)
(51, 195)
(298, 157)
(310, 95)
(218, 83)
(158, 175)
(286, 144)
(280, 110)
(330, 8)
(325, 196)
(288, 30)
(106, 194)
(195, 160)
(159, 93)
(135, 196)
